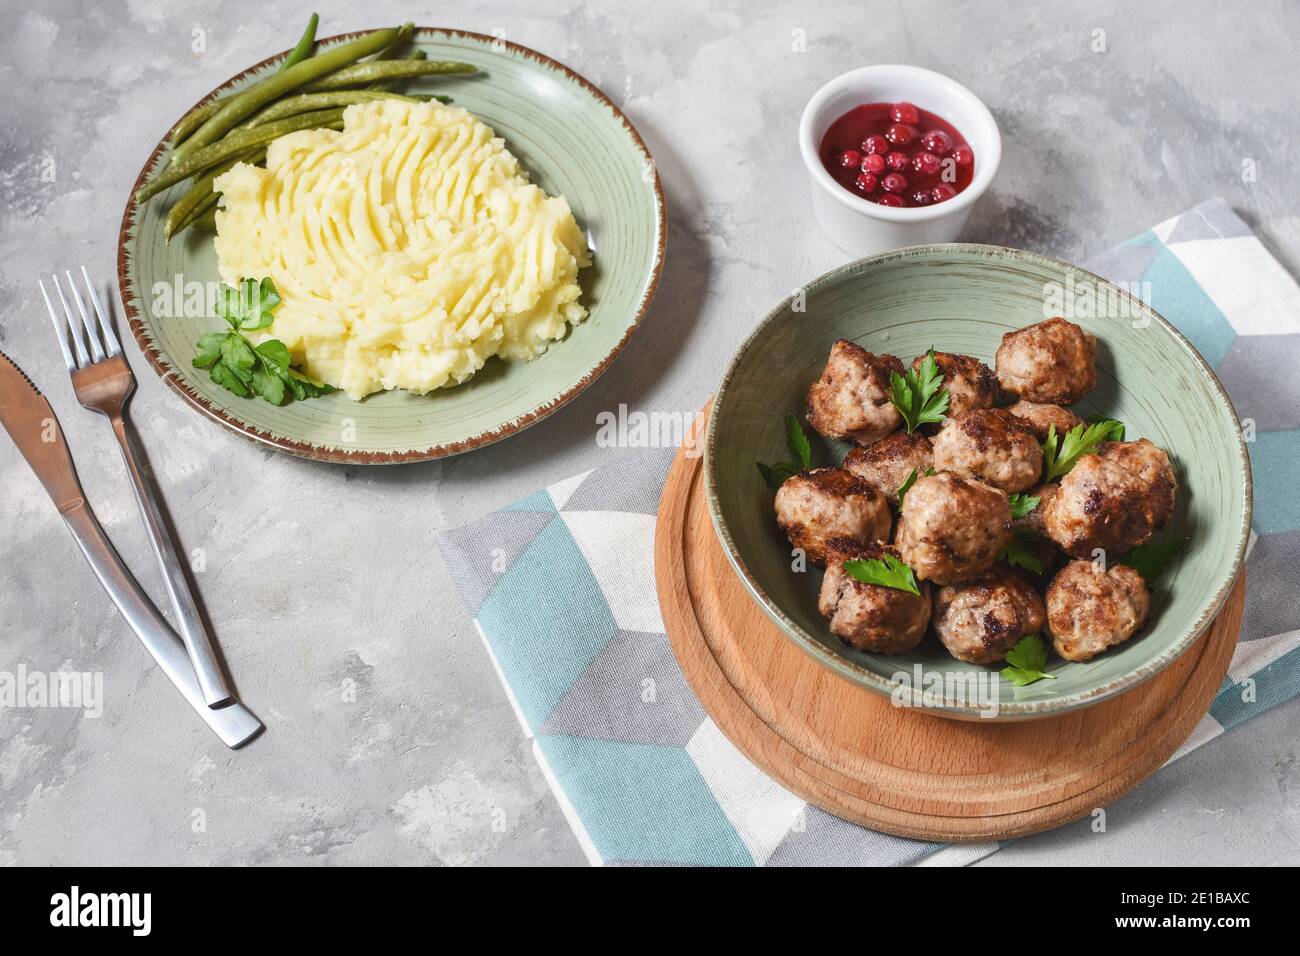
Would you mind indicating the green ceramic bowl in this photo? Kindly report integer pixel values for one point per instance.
(962, 298)
(571, 139)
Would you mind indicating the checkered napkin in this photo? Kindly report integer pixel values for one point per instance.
(561, 588)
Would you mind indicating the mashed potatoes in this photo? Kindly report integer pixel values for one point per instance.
(408, 248)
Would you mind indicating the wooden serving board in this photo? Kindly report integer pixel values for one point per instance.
(850, 752)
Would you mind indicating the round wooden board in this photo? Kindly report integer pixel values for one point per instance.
(849, 751)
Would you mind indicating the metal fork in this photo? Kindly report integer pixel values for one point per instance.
(104, 382)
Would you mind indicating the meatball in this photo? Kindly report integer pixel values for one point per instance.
(951, 528)
(1052, 362)
(991, 445)
(1146, 460)
(970, 383)
(851, 400)
(871, 617)
(1089, 610)
(1039, 418)
(886, 464)
(814, 506)
(1114, 499)
(983, 619)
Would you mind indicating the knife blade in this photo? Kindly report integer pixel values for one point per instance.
(30, 421)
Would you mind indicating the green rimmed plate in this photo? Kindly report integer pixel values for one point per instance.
(962, 298)
(571, 139)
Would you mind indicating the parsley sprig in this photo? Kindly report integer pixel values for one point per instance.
(1022, 504)
(1153, 558)
(907, 484)
(1060, 454)
(1117, 427)
(886, 571)
(1017, 554)
(918, 394)
(797, 441)
(238, 366)
(1025, 661)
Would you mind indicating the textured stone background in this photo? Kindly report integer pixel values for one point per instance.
(318, 574)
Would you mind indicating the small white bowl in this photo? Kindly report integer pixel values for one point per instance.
(864, 228)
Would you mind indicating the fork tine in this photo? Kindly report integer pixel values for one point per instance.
(59, 330)
(78, 345)
(110, 340)
(92, 334)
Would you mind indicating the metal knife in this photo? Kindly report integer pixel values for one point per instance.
(31, 423)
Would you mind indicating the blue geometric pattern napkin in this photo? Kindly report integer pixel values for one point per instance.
(561, 588)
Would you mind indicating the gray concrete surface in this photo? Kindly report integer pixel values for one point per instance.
(323, 578)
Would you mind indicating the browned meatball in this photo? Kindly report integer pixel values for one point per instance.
(970, 383)
(870, 616)
(814, 506)
(1114, 499)
(1039, 418)
(952, 528)
(1145, 459)
(1052, 362)
(983, 619)
(1089, 610)
(851, 400)
(991, 445)
(886, 464)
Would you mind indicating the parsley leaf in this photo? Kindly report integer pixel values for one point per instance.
(886, 571)
(776, 475)
(1017, 555)
(1153, 558)
(796, 441)
(249, 306)
(237, 365)
(304, 387)
(273, 352)
(907, 484)
(1060, 455)
(1025, 661)
(223, 376)
(238, 356)
(917, 394)
(1117, 430)
(268, 384)
(209, 347)
(1022, 504)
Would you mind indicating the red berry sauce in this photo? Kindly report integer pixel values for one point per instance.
(930, 161)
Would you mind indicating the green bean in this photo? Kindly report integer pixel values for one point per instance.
(235, 143)
(200, 209)
(201, 114)
(404, 34)
(394, 84)
(360, 74)
(206, 222)
(245, 103)
(194, 119)
(304, 47)
(172, 229)
(201, 195)
(306, 102)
